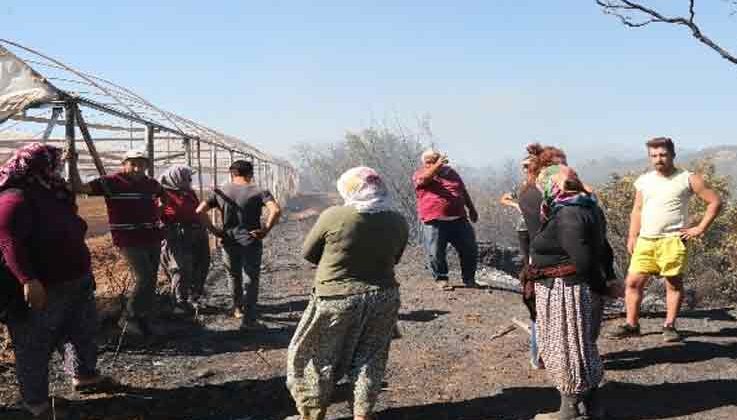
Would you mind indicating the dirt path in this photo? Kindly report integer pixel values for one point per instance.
(445, 366)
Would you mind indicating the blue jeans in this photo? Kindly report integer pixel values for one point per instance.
(534, 354)
(240, 259)
(459, 233)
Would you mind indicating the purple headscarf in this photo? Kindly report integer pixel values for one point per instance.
(32, 162)
(177, 177)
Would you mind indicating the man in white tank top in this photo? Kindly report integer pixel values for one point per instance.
(658, 232)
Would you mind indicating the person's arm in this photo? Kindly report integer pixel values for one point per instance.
(507, 200)
(207, 223)
(713, 206)
(272, 219)
(472, 214)
(15, 231)
(427, 174)
(202, 210)
(209, 204)
(635, 222)
(314, 243)
(403, 237)
(93, 187)
(574, 241)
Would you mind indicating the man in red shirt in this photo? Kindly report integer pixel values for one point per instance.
(133, 213)
(442, 200)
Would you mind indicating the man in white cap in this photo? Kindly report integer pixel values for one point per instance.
(132, 206)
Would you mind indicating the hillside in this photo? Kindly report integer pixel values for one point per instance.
(596, 171)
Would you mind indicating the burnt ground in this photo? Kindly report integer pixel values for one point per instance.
(451, 362)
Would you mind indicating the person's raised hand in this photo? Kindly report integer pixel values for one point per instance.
(34, 294)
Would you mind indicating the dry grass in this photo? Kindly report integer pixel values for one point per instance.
(110, 269)
(94, 212)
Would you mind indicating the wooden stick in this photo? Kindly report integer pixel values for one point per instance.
(503, 332)
(522, 325)
(55, 114)
(88, 141)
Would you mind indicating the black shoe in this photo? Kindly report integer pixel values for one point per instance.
(670, 334)
(568, 410)
(592, 408)
(624, 331)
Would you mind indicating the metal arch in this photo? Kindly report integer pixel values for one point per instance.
(123, 91)
(69, 69)
(129, 106)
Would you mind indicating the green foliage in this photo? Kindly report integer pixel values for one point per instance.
(712, 259)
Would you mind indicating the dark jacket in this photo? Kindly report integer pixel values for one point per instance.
(529, 204)
(576, 235)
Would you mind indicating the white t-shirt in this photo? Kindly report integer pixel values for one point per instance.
(664, 203)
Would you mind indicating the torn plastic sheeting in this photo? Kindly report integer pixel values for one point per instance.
(20, 86)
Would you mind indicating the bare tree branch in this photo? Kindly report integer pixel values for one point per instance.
(636, 15)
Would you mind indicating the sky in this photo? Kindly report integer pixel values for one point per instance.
(491, 75)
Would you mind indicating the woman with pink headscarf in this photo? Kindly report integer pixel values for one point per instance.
(347, 326)
(45, 255)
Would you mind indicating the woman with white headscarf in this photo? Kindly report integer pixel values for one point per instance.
(347, 326)
(185, 251)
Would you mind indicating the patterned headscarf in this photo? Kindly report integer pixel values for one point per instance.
(177, 177)
(362, 188)
(561, 186)
(32, 162)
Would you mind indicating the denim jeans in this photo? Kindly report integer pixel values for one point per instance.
(69, 324)
(240, 259)
(459, 233)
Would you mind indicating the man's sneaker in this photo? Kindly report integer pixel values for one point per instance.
(444, 285)
(624, 331)
(670, 334)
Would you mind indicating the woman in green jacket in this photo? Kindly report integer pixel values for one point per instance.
(347, 326)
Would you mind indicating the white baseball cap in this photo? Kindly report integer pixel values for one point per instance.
(135, 154)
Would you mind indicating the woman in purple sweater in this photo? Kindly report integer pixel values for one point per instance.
(43, 248)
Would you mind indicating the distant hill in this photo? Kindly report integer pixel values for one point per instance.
(597, 171)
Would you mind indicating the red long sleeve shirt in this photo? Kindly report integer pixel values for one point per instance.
(41, 236)
(441, 198)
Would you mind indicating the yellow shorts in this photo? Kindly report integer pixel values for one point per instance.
(659, 256)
